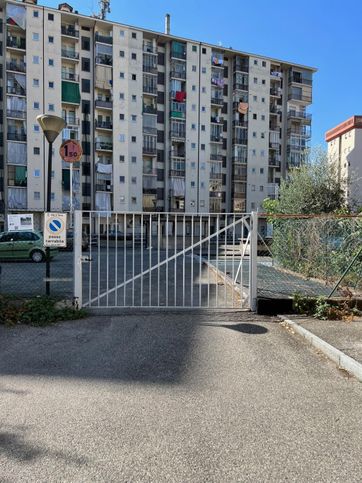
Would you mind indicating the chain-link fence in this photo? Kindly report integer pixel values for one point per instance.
(311, 255)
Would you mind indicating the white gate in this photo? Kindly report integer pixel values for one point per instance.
(165, 260)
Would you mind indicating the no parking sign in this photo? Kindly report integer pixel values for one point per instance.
(55, 230)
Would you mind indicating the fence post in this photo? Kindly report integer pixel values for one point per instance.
(253, 282)
(77, 262)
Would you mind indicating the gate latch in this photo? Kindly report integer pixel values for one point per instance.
(85, 258)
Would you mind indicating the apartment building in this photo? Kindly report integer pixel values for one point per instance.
(166, 123)
(345, 151)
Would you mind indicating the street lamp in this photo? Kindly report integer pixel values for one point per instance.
(51, 126)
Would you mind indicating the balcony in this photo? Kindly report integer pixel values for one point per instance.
(178, 110)
(71, 120)
(298, 78)
(149, 184)
(296, 96)
(69, 31)
(216, 138)
(16, 136)
(240, 86)
(103, 125)
(274, 161)
(241, 64)
(178, 132)
(17, 198)
(175, 74)
(216, 157)
(149, 48)
(178, 173)
(243, 124)
(299, 115)
(149, 109)
(272, 190)
(276, 74)
(240, 159)
(100, 104)
(106, 186)
(301, 132)
(243, 141)
(103, 39)
(149, 149)
(217, 120)
(215, 175)
(217, 101)
(240, 177)
(178, 50)
(150, 89)
(149, 130)
(16, 43)
(16, 66)
(104, 146)
(275, 91)
(149, 171)
(216, 193)
(15, 114)
(274, 109)
(16, 90)
(70, 76)
(70, 54)
(104, 59)
(150, 68)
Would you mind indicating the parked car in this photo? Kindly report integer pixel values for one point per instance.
(70, 241)
(23, 245)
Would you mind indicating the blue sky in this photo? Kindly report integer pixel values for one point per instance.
(320, 33)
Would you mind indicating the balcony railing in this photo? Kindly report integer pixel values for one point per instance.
(216, 138)
(274, 109)
(241, 65)
(276, 74)
(240, 124)
(149, 130)
(240, 87)
(103, 124)
(150, 89)
(104, 104)
(104, 59)
(178, 133)
(149, 109)
(275, 91)
(148, 149)
(240, 159)
(70, 54)
(70, 76)
(104, 39)
(292, 114)
(178, 54)
(16, 136)
(242, 141)
(216, 157)
(71, 120)
(217, 120)
(17, 90)
(104, 146)
(149, 49)
(274, 162)
(175, 74)
(16, 113)
(215, 175)
(151, 69)
(16, 42)
(180, 173)
(16, 66)
(149, 171)
(104, 187)
(299, 97)
(218, 101)
(70, 31)
(239, 177)
(300, 80)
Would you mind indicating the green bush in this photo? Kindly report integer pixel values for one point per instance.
(324, 309)
(39, 311)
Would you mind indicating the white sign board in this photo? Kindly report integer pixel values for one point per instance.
(55, 225)
(21, 222)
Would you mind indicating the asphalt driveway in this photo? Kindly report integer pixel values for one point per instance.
(176, 397)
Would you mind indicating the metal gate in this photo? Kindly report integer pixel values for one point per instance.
(165, 260)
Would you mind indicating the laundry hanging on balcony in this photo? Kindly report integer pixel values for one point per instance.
(103, 202)
(178, 186)
(16, 15)
(17, 153)
(17, 198)
(243, 107)
(104, 168)
(70, 92)
(180, 96)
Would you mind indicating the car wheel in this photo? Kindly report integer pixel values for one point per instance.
(37, 256)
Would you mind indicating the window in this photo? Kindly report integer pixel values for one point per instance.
(85, 64)
(194, 48)
(121, 117)
(85, 41)
(134, 77)
(51, 17)
(254, 152)
(263, 99)
(253, 170)
(134, 180)
(253, 187)
(202, 127)
(121, 95)
(255, 62)
(263, 63)
(255, 116)
(263, 117)
(203, 109)
(121, 75)
(192, 184)
(261, 170)
(193, 165)
(121, 53)
(36, 13)
(36, 150)
(261, 188)
(51, 107)
(193, 145)
(51, 85)
(51, 39)
(134, 56)
(36, 82)
(202, 147)
(203, 70)
(36, 195)
(204, 90)
(134, 98)
(255, 80)
(121, 158)
(194, 88)
(133, 139)
(134, 118)
(134, 200)
(122, 138)
(194, 68)
(193, 126)
(252, 204)
(134, 35)
(52, 196)
(51, 62)
(85, 85)
(262, 135)
(35, 36)
(262, 153)
(134, 159)
(121, 33)
(35, 59)
(36, 105)
(36, 173)
(255, 98)
(122, 179)
(254, 134)
(193, 107)
(263, 82)
(203, 50)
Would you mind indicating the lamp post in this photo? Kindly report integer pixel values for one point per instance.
(51, 126)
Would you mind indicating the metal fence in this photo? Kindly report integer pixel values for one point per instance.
(311, 255)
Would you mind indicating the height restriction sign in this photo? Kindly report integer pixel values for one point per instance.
(71, 151)
(55, 230)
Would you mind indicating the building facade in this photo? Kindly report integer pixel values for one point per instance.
(345, 152)
(166, 123)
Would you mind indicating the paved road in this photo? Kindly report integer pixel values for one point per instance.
(191, 397)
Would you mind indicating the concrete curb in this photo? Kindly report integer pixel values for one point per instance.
(338, 357)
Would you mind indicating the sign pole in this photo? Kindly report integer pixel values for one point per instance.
(71, 196)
